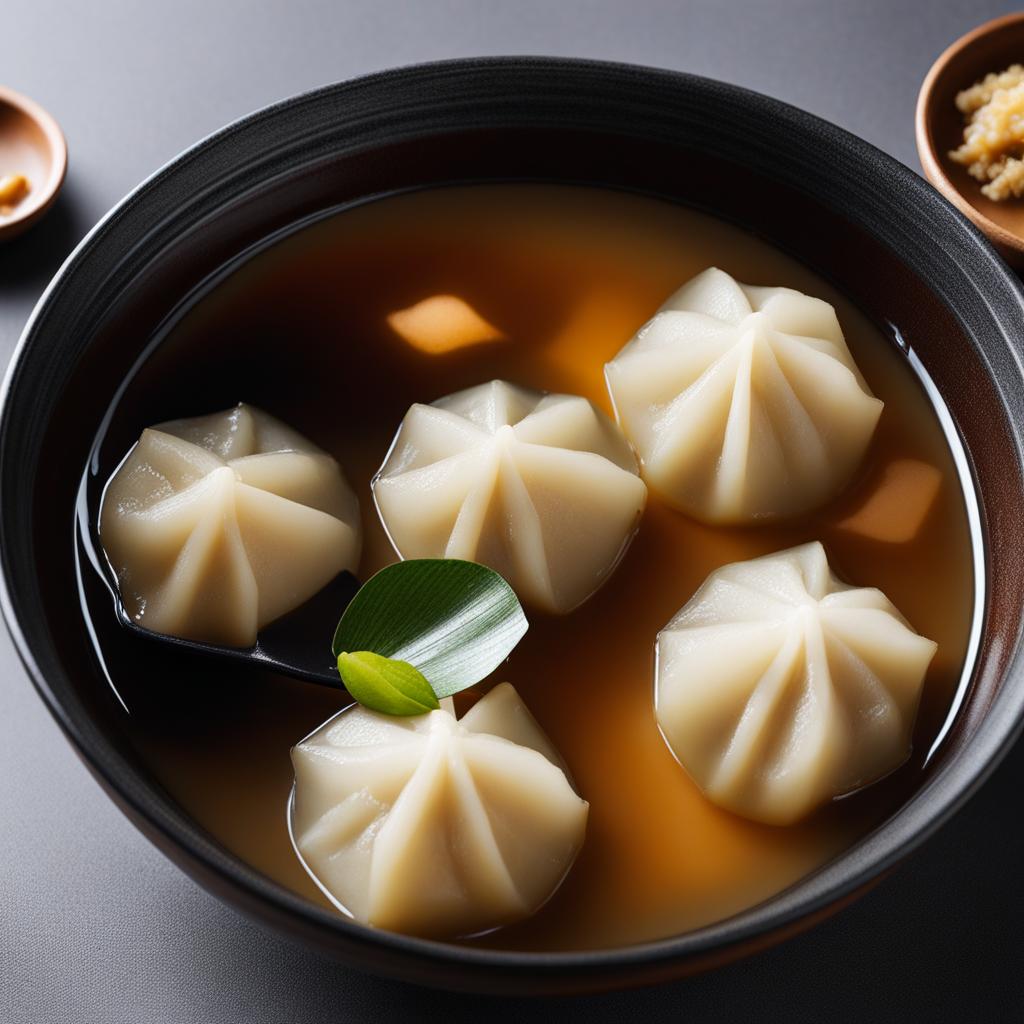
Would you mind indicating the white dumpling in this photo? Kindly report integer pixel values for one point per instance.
(432, 826)
(542, 488)
(217, 525)
(779, 687)
(744, 403)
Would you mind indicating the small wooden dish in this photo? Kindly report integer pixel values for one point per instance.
(939, 127)
(32, 144)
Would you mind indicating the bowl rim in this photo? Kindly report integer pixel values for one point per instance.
(38, 201)
(800, 906)
(931, 161)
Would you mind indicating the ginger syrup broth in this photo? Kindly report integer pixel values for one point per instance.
(566, 275)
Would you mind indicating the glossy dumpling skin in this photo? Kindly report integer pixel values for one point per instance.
(779, 687)
(433, 826)
(217, 525)
(542, 488)
(744, 403)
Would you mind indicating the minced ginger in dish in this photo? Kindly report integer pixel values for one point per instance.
(993, 147)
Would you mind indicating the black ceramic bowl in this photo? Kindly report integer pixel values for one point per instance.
(856, 216)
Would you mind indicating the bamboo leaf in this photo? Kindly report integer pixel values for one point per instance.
(455, 621)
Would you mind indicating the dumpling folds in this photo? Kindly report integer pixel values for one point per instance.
(542, 488)
(433, 826)
(744, 403)
(780, 687)
(217, 525)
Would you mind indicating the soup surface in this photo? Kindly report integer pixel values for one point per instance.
(566, 275)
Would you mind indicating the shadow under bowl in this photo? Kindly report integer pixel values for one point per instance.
(939, 128)
(847, 210)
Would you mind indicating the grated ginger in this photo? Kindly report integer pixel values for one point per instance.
(13, 188)
(993, 146)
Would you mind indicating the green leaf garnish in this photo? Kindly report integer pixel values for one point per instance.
(386, 685)
(455, 621)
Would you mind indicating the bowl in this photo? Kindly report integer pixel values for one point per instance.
(32, 144)
(939, 127)
(858, 217)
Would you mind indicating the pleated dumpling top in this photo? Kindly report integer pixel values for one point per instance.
(435, 826)
(744, 403)
(779, 687)
(541, 487)
(217, 525)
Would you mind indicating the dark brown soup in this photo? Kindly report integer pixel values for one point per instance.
(567, 275)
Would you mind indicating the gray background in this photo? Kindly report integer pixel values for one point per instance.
(95, 926)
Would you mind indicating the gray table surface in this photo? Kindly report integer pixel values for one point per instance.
(95, 925)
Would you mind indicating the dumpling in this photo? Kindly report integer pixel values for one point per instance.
(744, 403)
(217, 525)
(780, 687)
(433, 826)
(542, 488)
